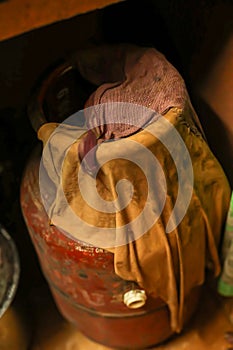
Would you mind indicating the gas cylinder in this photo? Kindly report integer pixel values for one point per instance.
(87, 291)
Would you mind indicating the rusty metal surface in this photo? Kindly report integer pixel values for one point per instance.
(83, 282)
(85, 287)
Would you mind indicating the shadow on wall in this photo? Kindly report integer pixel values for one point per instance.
(217, 136)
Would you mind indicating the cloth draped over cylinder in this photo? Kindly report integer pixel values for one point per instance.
(166, 264)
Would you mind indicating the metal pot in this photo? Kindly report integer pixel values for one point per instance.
(9, 270)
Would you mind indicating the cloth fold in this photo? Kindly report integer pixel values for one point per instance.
(166, 265)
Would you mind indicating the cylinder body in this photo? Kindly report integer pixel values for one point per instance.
(83, 282)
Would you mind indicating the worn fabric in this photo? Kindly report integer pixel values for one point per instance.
(166, 265)
(125, 73)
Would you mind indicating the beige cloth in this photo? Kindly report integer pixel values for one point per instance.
(166, 265)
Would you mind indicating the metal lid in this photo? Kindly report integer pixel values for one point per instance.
(9, 270)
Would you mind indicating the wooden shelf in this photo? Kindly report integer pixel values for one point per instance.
(20, 16)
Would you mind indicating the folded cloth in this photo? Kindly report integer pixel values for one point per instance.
(167, 265)
(127, 74)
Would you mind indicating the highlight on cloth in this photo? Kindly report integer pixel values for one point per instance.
(68, 135)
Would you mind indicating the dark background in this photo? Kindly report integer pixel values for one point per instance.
(190, 33)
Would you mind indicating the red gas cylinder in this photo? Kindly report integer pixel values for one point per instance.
(106, 308)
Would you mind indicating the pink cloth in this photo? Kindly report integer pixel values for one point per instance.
(128, 74)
